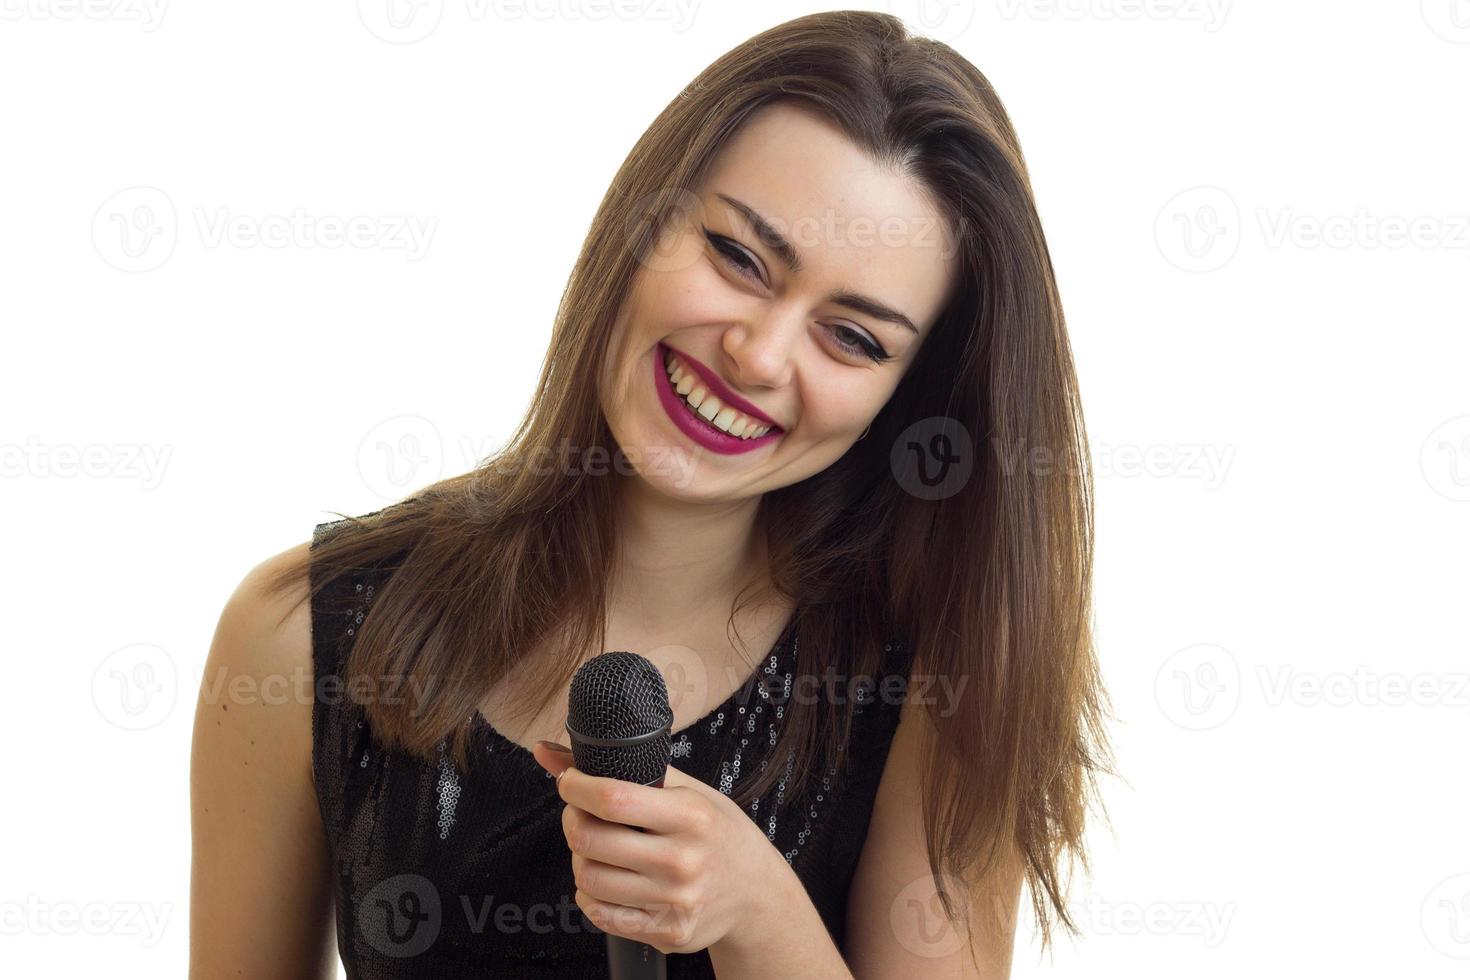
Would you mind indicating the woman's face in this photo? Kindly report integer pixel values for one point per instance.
(789, 349)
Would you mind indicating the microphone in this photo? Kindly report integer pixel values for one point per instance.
(618, 718)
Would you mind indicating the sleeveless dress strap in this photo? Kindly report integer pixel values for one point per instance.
(337, 732)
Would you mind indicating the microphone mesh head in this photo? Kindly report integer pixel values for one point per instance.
(620, 695)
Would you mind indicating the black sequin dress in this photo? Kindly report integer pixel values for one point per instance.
(439, 876)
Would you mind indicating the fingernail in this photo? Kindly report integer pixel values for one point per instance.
(553, 745)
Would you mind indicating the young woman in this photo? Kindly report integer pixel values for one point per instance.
(808, 437)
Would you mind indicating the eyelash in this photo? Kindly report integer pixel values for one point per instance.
(736, 256)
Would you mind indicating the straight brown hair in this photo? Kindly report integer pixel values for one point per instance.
(991, 583)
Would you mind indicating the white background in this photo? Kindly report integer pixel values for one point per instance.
(1275, 384)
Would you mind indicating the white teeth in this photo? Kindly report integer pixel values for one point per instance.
(709, 407)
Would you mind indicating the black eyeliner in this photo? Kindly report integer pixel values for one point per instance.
(734, 254)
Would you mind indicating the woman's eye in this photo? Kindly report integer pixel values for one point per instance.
(850, 339)
(734, 254)
(861, 344)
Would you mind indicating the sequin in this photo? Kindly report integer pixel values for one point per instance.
(726, 779)
(448, 787)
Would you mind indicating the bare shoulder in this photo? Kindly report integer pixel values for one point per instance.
(260, 663)
(895, 923)
(260, 866)
(283, 618)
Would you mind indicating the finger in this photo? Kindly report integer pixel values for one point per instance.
(612, 843)
(659, 927)
(676, 777)
(619, 920)
(614, 885)
(559, 749)
(552, 757)
(652, 808)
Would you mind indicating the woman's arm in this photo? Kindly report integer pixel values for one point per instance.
(896, 929)
(895, 924)
(793, 942)
(260, 903)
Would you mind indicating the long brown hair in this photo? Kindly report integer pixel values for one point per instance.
(991, 582)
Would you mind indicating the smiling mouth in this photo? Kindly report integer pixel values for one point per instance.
(694, 394)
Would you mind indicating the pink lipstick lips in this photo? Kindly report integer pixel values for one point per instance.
(694, 425)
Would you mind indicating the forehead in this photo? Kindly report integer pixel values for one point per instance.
(854, 224)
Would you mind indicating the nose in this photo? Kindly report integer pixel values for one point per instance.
(759, 353)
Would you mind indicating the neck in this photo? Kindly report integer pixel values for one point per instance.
(676, 559)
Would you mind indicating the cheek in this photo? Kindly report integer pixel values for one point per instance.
(692, 295)
(839, 408)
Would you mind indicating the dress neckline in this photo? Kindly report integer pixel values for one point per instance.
(778, 649)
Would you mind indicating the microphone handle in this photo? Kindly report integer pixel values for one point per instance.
(628, 959)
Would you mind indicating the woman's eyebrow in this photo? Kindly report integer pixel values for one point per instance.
(784, 250)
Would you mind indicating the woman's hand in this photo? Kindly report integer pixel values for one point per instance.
(693, 877)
